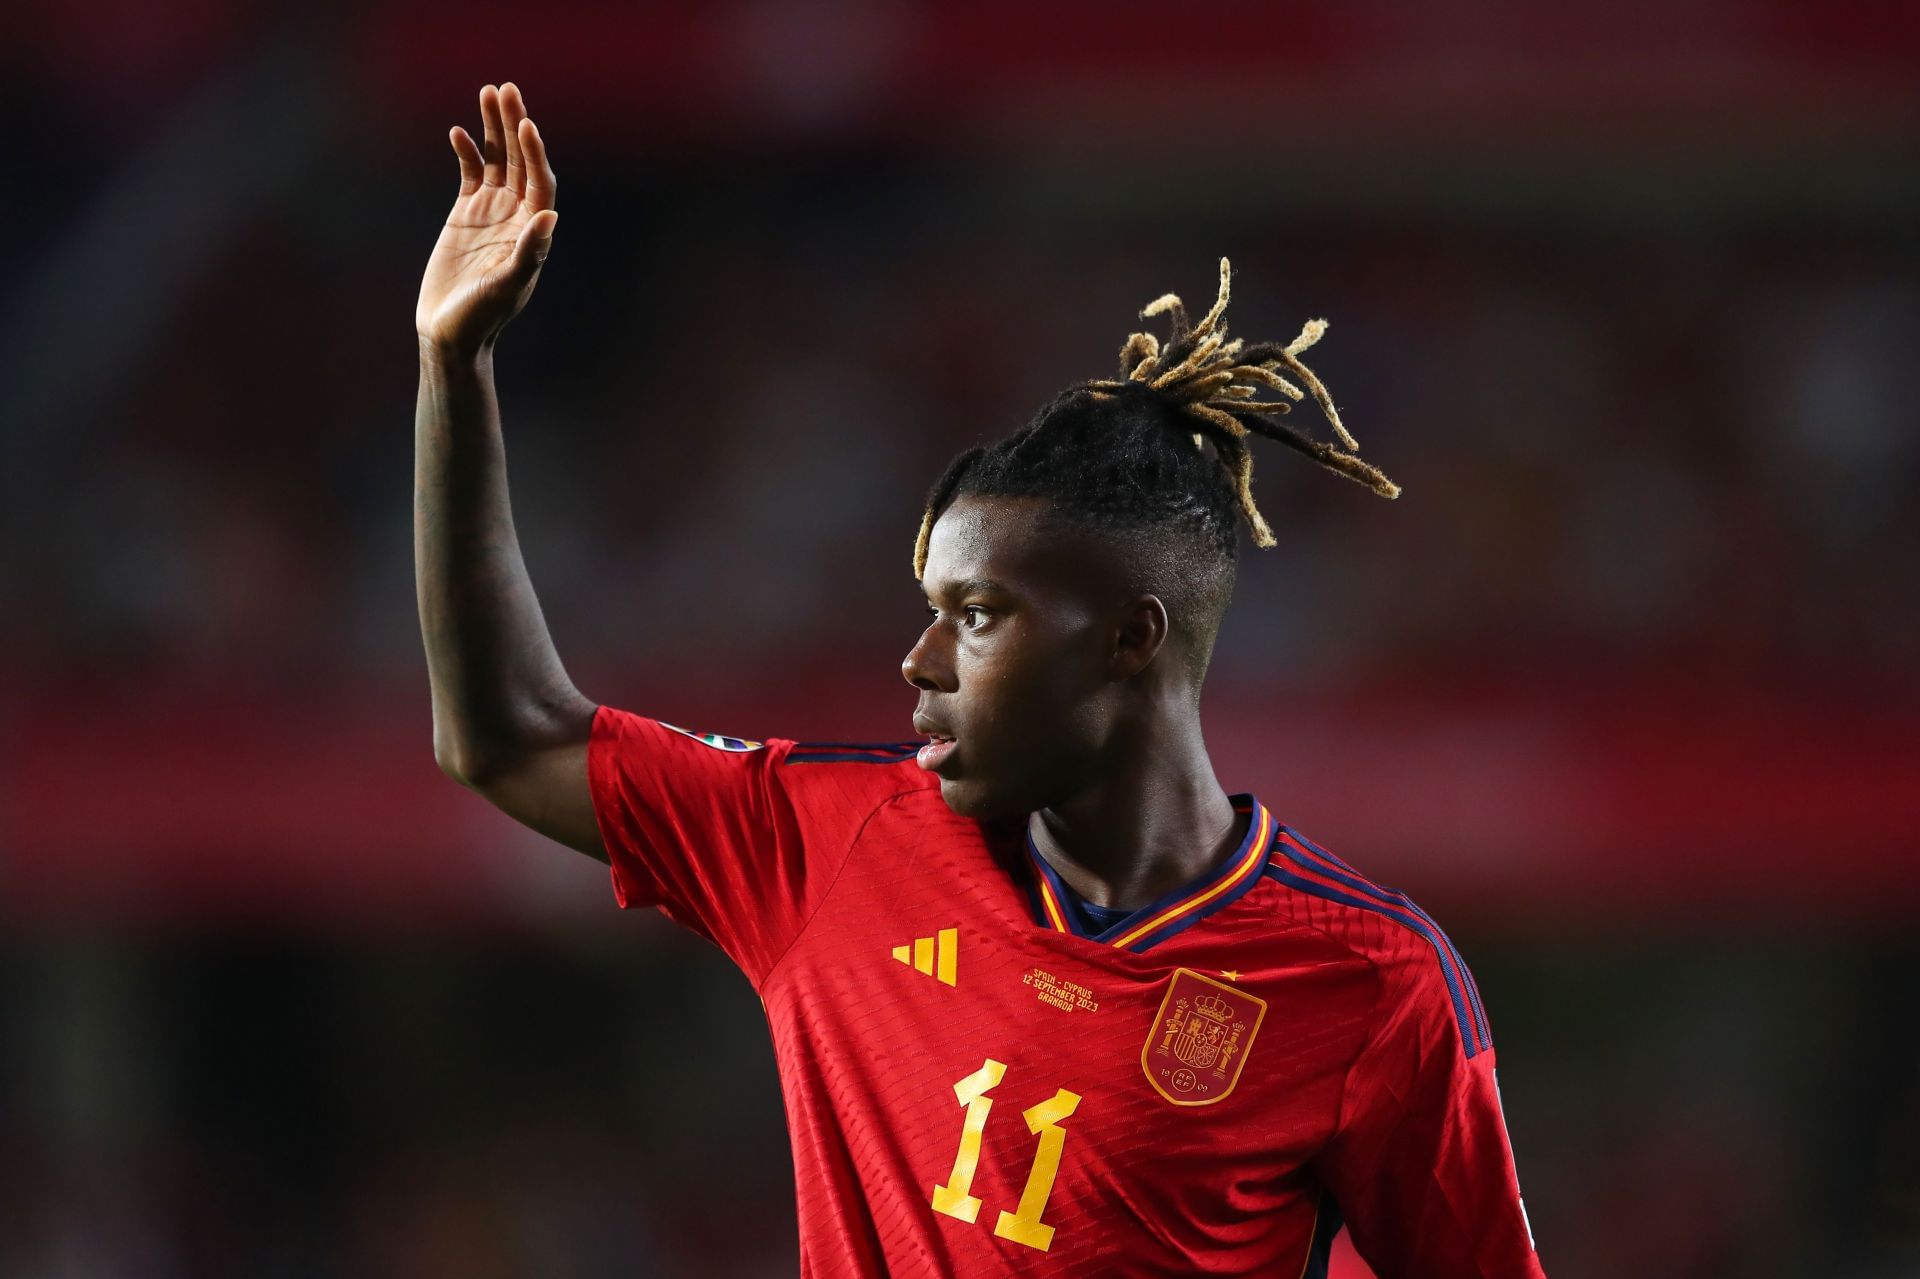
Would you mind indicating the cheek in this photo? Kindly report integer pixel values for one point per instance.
(1040, 701)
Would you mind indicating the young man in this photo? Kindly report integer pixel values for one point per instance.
(1045, 998)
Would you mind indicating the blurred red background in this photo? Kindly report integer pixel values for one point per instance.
(1624, 687)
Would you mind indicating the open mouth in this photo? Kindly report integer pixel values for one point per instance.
(934, 752)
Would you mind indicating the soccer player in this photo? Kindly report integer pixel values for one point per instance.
(1045, 998)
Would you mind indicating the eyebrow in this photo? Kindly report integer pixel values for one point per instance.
(971, 586)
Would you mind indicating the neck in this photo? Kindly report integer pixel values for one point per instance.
(1155, 819)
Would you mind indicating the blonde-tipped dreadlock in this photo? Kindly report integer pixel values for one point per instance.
(1214, 381)
(1103, 451)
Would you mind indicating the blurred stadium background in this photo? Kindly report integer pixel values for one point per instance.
(1625, 689)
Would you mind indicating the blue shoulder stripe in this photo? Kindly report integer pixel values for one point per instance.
(1473, 987)
(1394, 897)
(848, 753)
(893, 747)
(1469, 1031)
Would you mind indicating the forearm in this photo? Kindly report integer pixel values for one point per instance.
(498, 686)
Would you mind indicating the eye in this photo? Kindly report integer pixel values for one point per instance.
(978, 616)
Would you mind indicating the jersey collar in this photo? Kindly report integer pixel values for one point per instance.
(1051, 900)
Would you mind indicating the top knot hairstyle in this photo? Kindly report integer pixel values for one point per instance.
(1116, 453)
(1128, 457)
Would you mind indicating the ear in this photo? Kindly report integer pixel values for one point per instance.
(1142, 631)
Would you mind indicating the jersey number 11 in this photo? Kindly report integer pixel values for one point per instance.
(1023, 1225)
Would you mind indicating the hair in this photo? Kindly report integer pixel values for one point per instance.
(1129, 457)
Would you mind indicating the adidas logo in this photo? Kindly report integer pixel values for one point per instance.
(935, 956)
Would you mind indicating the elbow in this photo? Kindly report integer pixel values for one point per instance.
(462, 763)
(450, 764)
(478, 757)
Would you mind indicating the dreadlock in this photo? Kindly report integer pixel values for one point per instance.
(1128, 455)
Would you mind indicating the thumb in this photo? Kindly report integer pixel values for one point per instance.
(535, 242)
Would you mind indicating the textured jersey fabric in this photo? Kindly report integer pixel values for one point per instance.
(982, 1079)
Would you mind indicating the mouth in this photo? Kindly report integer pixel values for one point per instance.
(939, 746)
(935, 753)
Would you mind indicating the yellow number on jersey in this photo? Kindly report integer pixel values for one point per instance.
(955, 1198)
(1044, 1119)
(952, 1198)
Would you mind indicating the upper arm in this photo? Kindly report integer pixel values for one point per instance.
(544, 786)
(735, 838)
(1420, 1164)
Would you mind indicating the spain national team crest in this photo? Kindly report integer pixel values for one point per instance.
(1199, 1043)
(718, 741)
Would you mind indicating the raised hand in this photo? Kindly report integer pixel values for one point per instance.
(488, 258)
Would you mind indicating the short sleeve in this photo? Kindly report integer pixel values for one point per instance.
(1420, 1164)
(733, 838)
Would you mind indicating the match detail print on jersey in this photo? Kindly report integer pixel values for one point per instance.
(1200, 1039)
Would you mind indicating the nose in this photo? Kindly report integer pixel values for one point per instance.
(927, 665)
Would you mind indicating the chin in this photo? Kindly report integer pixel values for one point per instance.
(983, 801)
(968, 798)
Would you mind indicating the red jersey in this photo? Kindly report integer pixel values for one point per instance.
(979, 1080)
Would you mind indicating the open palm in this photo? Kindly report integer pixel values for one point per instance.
(488, 258)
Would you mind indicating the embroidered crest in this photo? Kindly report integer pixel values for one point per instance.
(1199, 1042)
(718, 741)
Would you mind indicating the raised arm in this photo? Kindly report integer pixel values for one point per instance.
(507, 721)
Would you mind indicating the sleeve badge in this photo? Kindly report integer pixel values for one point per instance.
(718, 741)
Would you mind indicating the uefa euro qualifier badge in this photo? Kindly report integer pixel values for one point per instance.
(1199, 1043)
(719, 741)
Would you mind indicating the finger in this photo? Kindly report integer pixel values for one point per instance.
(513, 109)
(496, 150)
(470, 163)
(541, 183)
(535, 242)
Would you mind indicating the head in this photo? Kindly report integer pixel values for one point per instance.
(1077, 572)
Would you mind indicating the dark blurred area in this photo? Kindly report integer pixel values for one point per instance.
(1625, 688)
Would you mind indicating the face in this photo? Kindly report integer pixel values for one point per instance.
(1023, 663)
